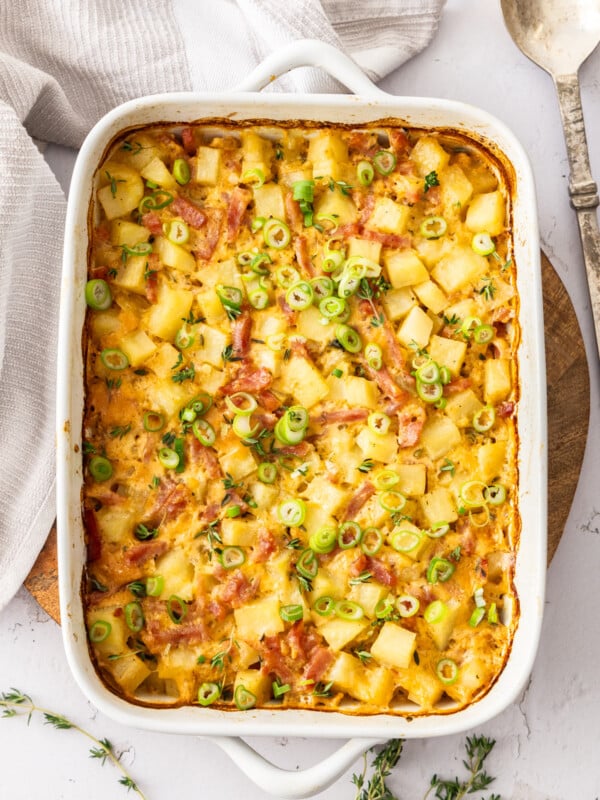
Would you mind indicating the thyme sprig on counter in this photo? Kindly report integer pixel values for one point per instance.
(18, 704)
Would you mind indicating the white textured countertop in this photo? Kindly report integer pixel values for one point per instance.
(547, 742)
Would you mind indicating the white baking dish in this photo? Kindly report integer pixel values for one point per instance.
(368, 104)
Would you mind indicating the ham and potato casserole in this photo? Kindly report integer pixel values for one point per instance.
(300, 437)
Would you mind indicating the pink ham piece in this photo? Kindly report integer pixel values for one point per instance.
(303, 257)
(238, 203)
(152, 221)
(240, 334)
(207, 240)
(249, 379)
(358, 499)
(140, 553)
(188, 211)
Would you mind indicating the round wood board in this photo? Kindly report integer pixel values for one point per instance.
(568, 417)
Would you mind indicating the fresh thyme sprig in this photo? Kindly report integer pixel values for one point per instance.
(383, 763)
(18, 704)
(478, 749)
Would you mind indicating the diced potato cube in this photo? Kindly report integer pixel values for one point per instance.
(172, 255)
(168, 396)
(416, 328)
(326, 494)
(207, 165)
(441, 631)
(328, 153)
(138, 347)
(122, 190)
(268, 201)
(255, 681)
(438, 506)
(268, 323)
(128, 233)
(448, 353)
(156, 171)
(398, 302)
(486, 213)
(462, 406)
(132, 275)
(422, 687)
(208, 378)
(258, 619)
(410, 538)
(458, 268)
(405, 268)
(340, 632)
(178, 574)
(365, 248)
(115, 524)
(238, 532)
(471, 677)
(211, 307)
(333, 203)
(376, 446)
(439, 435)
(456, 190)
(359, 392)
(292, 171)
(104, 323)
(303, 381)
(429, 155)
(432, 297)
(140, 149)
(347, 674)
(372, 514)
(389, 216)
(394, 646)
(164, 359)
(431, 250)
(379, 687)
(129, 671)
(238, 462)
(211, 343)
(116, 641)
(309, 325)
(164, 317)
(263, 494)
(258, 154)
(224, 272)
(497, 381)
(368, 595)
(317, 517)
(413, 478)
(267, 358)
(491, 457)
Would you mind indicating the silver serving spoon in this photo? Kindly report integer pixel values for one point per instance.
(558, 36)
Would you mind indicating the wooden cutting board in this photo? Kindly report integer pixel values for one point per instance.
(568, 416)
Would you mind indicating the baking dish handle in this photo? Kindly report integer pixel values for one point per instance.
(291, 784)
(310, 53)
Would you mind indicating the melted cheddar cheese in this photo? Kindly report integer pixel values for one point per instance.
(300, 430)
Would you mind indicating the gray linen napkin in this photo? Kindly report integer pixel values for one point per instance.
(65, 63)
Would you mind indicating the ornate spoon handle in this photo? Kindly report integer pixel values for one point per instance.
(582, 188)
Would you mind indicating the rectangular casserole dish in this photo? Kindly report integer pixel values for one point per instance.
(369, 106)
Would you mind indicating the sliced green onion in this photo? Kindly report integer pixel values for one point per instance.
(244, 698)
(178, 447)
(447, 671)
(379, 422)
(407, 605)
(114, 359)
(100, 468)
(304, 190)
(257, 224)
(384, 608)
(386, 479)
(208, 693)
(181, 171)
(433, 227)
(255, 176)
(307, 565)
(350, 535)
(332, 307)
(363, 267)
(155, 585)
(445, 376)
(284, 434)
(177, 231)
(155, 201)
(478, 597)
(384, 162)
(296, 418)
(276, 234)
(469, 325)
(405, 541)
(204, 432)
(437, 530)
(371, 542)
(98, 295)
(99, 631)
(348, 338)
(476, 617)
(199, 405)
(348, 609)
(439, 570)
(177, 609)
(391, 501)
(245, 259)
(337, 373)
(257, 261)
(484, 419)
(287, 277)
(233, 511)
(292, 513)
(483, 244)
(332, 259)
(492, 614)
(332, 221)
(184, 338)
(291, 613)
(365, 173)
(472, 494)
(230, 297)
(152, 184)
(322, 287)
(280, 689)
(435, 611)
(258, 298)
(495, 494)
(231, 557)
(134, 616)
(267, 472)
(441, 403)
(323, 540)
(168, 458)
(324, 605)
(140, 249)
(244, 427)
(299, 296)
(428, 373)
(483, 334)
(348, 285)
(430, 392)
(241, 403)
(374, 356)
